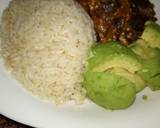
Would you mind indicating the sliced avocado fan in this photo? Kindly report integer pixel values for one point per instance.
(111, 78)
(113, 55)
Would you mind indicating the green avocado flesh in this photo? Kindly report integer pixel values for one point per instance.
(150, 61)
(111, 79)
(151, 72)
(134, 78)
(151, 34)
(113, 54)
(143, 50)
(109, 90)
(115, 73)
(120, 59)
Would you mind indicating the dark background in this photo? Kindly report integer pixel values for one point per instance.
(8, 123)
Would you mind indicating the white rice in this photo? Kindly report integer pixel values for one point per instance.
(45, 44)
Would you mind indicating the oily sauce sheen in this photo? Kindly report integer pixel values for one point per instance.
(121, 20)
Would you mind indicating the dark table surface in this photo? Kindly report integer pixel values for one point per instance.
(8, 123)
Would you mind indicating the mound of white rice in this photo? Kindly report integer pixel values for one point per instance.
(45, 44)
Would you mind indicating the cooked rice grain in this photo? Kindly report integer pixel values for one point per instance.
(45, 44)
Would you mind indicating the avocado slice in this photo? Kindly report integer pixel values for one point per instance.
(151, 34)
(141, 48)
(109, 90)
(112, 54)
(134, 78)
(150, 61)
(151, 72)
(111, 78)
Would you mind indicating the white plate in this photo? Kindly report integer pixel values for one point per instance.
(18, 105)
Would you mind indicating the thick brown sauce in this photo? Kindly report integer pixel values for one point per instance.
(121, 20)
